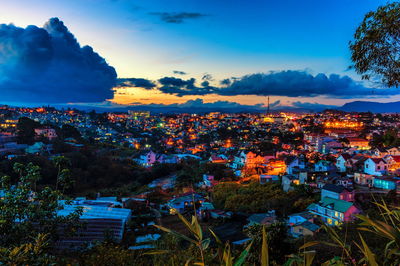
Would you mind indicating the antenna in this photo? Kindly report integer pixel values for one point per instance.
(268, 106)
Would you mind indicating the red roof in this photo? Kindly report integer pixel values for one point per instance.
(378, 160)
(396, 158)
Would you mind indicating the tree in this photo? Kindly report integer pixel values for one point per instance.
(375, 49)
(69, 131)
(25, 213)
(276, 239)
(26, 130)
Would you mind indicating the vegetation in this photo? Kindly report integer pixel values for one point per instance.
(375, 48)
(28, 219)
(255, 198)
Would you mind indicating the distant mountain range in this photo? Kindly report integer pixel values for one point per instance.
(375, 107)
(356, 106)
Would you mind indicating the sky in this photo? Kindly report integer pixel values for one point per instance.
(127, 52)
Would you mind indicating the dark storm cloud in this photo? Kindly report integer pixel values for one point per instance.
(48, 65)
(225, 82)
(301, 84)
(177, 72)
(180, 87)
(177, 17)
(135, 82)
(285, 83)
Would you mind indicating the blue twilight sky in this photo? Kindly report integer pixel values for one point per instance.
(151, 39)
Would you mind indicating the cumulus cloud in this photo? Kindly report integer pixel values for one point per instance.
(135, 82)
(49, 65)
(177, 17)
(284, 83)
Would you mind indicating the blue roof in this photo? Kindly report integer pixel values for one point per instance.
(96, 212)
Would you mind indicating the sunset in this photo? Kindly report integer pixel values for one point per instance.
(187, 132)
(209, 51)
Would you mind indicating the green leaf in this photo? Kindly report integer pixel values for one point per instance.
(243, 255)
(264, 249)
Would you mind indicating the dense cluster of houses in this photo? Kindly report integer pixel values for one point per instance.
(336, 161)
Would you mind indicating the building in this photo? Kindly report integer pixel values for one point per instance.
(324, 166)
(337, 192)
(46, 132)
(386, 182)
(359, 143)
(267, 218)
(302, 224)
(364, 179)
(393, 163)
(334, 211)
(375, 166)
(341, 162)
(138, 114)
(99, 221)
(185, 202)
(268, 178)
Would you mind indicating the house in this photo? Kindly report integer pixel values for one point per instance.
(267, 218)
(294, 164)
(304, 229)
(46, 132)
(302, 224)
(334, 211)
(238, 161)
(96, 218)
(38, 147)
(380, 152)
(218, 158)
(346, 181)
(220, 214)
(364, 179)
(253, 160)
(337, 192)
(356, 163)
(327, 147)
(185, 202)
(268, 178)
(288, 180)
(393, 163)
(375, 166)
(394, 151)
(386, 182)
(148, 159)
(341, 162)
(298, 218)
(208, 181)
(324, 166)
